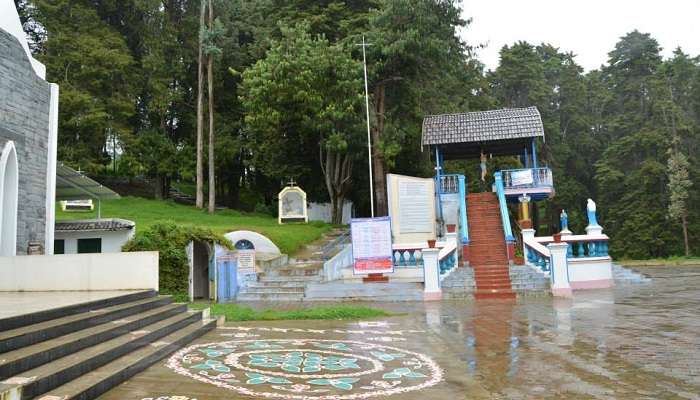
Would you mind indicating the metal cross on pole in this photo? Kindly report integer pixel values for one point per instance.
(369, 138)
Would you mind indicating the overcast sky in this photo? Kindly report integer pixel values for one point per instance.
(588, 28)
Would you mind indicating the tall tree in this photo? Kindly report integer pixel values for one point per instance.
(210, 87)
(413, 44)
(199, 200)
(92, 64)
(303, 106)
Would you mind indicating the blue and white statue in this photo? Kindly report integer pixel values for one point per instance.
(564, 222)
(592, 220)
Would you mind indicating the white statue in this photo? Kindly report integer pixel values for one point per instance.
(592, 220)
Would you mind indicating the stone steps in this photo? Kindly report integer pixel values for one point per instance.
(525, 280)
(35, 333)
(129, 336)
(32, 356)
(245, 296)
(623, 275)
(41, 316)
(487, 250)
(389, 291)
(100, 380)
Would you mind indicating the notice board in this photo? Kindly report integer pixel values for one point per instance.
(371, 245)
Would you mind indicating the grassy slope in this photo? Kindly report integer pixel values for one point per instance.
(146, 212)
(235, 312)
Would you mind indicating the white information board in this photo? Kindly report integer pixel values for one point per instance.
(371, 245)
(521, 178)
(246, 262)
(415, 206)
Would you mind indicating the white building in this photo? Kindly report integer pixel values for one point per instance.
(92, 235)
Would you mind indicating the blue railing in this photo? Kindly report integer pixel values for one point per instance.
(505, 218)
(593, 248)
(527, 178)
(447, 263)
(406, 258)
(456, 184)
(537, 258)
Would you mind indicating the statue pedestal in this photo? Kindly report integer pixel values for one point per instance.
(594, 230)
(565, 232)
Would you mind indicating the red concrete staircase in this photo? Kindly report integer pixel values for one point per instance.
(488, 254)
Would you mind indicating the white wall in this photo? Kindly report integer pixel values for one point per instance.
(10, 23)
(115, 271)
(589, 273)
(323, 211)
(52, 146)
(112, 241)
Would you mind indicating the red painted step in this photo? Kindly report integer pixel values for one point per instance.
(487, 248)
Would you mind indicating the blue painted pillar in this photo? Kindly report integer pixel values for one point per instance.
(534, 154)
(438, 180)
(463, 210)
(526, 158)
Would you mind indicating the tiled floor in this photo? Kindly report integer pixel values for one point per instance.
(631, 342)
(18, 303)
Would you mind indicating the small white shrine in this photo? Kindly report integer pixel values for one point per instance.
(292, 204)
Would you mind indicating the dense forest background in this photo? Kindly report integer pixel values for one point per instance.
(289, 104)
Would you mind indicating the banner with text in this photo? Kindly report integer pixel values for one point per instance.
(371, 245)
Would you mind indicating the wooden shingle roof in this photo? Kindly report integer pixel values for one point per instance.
(483, 126)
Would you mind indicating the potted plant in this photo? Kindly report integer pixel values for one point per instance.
(451, 228)
(431, 243)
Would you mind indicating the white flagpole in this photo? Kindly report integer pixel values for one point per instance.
(369, 138)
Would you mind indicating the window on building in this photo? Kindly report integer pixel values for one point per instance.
(59, 246)
(90, 245)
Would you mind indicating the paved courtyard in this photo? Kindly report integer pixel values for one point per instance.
(638, 341)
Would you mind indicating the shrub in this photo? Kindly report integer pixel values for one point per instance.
(170, 241)
(262, 208)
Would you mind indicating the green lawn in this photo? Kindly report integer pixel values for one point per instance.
(236, 312)
(146, 212)
(674, 261)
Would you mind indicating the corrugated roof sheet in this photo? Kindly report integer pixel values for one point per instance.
(483, 126)
(73, 185)
(111, 224)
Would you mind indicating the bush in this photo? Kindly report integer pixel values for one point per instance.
(248, 199)
(170, 241)
(262, 208)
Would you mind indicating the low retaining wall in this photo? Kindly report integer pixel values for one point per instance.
(590, 273)
(78, 272)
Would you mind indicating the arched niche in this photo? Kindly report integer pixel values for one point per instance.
(292, 205)
(249, 240)
(9, 189)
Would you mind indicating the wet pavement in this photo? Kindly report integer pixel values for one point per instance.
(638, 341)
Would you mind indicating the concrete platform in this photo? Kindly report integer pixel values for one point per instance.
(628, 342)
(13, 304)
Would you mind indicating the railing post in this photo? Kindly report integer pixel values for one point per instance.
(559, 270)
(431, 274)
(527, 235)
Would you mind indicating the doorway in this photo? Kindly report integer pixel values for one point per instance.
(9, 182)
(200, 270)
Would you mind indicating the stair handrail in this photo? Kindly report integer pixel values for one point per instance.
(333, 268)
(537, 255)
(464, 228)
(505, 218)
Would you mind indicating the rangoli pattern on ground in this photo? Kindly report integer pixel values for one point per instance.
(307, 369)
